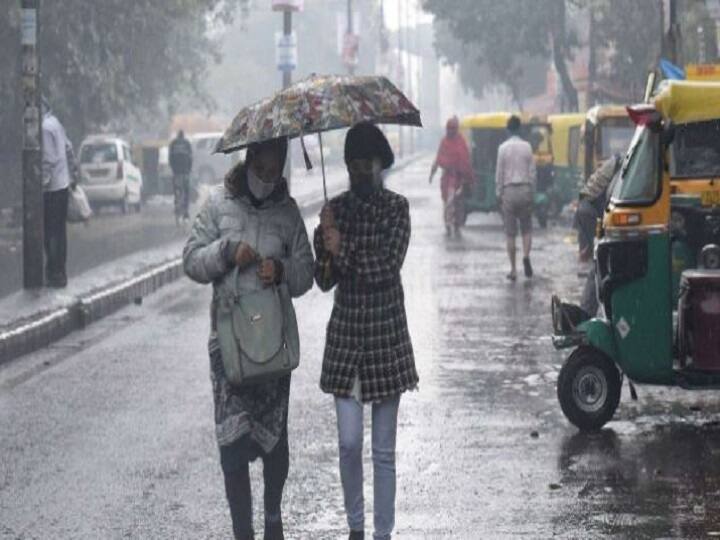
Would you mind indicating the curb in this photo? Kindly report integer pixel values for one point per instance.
(55, 325)
(45, 328)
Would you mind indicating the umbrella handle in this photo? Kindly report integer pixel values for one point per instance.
(322, 164)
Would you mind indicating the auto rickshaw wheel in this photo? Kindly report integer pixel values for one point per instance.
(589, 388)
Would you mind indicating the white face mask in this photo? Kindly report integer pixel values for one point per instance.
(259, 188)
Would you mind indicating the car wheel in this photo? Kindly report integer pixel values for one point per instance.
(125, 204)
(588, 388)
(542, 219)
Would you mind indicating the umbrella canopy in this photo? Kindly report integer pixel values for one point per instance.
(317, 104)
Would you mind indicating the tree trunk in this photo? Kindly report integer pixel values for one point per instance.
(560, 53)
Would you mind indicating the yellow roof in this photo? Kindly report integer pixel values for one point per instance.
(566, 120)
(602, 112)
(688, 101)
(497, 120)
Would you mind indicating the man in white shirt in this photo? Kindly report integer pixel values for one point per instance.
(56, 182)
(515, 178)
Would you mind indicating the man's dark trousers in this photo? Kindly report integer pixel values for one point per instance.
(56, 208)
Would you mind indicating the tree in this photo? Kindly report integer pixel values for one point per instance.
(505, 36)
(629, 43)
(109, 63)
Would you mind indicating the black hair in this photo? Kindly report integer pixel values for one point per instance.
(367, 141)
(513, 124)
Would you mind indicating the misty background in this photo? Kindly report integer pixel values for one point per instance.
(143, 68)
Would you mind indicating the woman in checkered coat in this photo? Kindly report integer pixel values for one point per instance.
(360, 245)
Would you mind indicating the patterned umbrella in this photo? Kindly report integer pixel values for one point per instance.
(317, 104)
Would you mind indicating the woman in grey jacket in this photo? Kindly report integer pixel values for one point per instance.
(253, 224)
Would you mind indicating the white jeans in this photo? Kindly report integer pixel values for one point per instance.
(350, 437)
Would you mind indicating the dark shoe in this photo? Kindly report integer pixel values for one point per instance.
(511, 276)
(357, 535)
(528, 267)
(248, 536)
(274, 531)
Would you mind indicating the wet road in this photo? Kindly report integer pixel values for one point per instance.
(109, 434)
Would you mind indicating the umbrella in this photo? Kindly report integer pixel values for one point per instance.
(316, 104)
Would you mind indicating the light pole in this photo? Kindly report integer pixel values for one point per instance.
(32, 149)
(286, 54)
(350, 32)
(401, 72)
(287, 33)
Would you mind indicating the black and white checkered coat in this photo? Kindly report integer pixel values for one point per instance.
(367, 334)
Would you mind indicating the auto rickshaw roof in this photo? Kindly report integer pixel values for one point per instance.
(498, 120)
(566, 120)
(603, 112)
(684, 102)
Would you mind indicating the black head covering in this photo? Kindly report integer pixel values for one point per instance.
(367, 141)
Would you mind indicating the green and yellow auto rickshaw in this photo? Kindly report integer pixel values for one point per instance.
(657, 261)
(607, 131)
(485, 133)
(568, 159)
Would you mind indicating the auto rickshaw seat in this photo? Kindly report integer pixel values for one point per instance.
(699, 320)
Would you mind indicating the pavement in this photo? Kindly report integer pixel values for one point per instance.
(108, 433)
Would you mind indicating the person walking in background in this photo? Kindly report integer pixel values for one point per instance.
(515, 178)
(252, 225)
(360, 247)
(56, 182)
(453, 157)
(181, 158)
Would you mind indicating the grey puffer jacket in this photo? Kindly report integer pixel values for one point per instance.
(274, 229)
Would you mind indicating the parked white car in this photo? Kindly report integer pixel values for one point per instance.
(109, 174)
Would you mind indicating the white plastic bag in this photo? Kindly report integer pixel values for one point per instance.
(78, 206)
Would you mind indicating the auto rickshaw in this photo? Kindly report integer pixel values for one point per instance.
(657, 260)
(568, 159)
(607, 131)
(485, 133)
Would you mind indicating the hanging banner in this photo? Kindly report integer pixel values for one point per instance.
(286, 55)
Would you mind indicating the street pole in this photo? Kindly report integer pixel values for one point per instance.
(673, 34)
(401, 81)
(286, 82)
(409, 42)
(32, 149)
(287, 31)
(350, 67)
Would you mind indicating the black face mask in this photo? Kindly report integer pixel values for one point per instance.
(365, 186)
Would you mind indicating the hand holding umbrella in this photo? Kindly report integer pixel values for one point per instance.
(331, 235)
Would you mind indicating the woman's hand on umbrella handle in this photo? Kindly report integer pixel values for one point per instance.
(244, 255)
(332, 240)
(327, 218)
(269, 271)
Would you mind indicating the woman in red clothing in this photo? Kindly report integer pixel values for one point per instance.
(453, 158)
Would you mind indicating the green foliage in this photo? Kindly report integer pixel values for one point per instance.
(109, 63)
(505, 38)
(629, 36)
